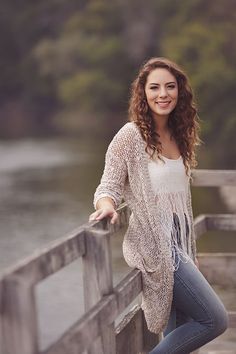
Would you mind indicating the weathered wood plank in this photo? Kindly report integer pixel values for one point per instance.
(19, 316)
(218, 268)
(214, 222)
(218, 352)
(213, 178)
(132, 334)
(200, 226)
(224, 222)
(50, 259)
(129, 333)
(97, 276)
(128, 289)
(232, 319)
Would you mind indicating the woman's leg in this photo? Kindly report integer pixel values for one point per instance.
(195, 298)
(171, 325)
(176, 319)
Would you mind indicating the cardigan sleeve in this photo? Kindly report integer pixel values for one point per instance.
(115, 170)
(192, 232)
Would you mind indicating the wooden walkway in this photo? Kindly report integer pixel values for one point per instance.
(95, 332)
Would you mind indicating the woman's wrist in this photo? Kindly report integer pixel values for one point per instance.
(105, 202)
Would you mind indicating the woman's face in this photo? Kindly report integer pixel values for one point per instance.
(161, 91)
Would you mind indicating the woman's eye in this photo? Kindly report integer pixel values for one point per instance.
(171, 86)
(153, 87)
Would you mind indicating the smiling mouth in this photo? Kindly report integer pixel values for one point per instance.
(163, 104)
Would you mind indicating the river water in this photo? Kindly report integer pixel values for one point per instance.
(47, 188)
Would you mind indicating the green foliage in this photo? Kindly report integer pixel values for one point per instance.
(207, 51)
(81, 60)
(90, 90)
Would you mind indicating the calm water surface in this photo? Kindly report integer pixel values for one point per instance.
(47, 189)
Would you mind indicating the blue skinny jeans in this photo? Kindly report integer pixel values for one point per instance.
(197, 314)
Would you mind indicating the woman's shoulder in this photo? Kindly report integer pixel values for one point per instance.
(128, 131)
(125, 141)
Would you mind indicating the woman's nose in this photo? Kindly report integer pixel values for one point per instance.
(163, 92)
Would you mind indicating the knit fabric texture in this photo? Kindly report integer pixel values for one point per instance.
(146, 244)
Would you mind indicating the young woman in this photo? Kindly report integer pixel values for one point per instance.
(149, 162)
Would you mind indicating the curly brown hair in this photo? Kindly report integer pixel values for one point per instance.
(183, 121)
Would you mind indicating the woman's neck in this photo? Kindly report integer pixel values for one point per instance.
(161, 125)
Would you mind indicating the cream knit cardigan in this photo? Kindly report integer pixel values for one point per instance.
(145, 244)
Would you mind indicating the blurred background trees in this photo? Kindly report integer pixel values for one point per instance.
(66, 67)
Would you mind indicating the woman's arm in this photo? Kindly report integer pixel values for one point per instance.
(109, 192)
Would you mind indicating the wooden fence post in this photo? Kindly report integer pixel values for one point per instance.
(150, 340)
(97, 276)
(2, 345)
(19, 323)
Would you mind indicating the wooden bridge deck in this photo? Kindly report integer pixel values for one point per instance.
(96, 332)
(225, 344)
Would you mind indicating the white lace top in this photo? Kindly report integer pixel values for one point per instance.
(169, 184)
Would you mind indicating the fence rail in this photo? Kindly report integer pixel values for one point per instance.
(95, 331)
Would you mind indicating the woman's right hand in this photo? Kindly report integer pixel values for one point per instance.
(105, 208)
(104, 212)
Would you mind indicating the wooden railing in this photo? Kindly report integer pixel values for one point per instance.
(95, 331)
